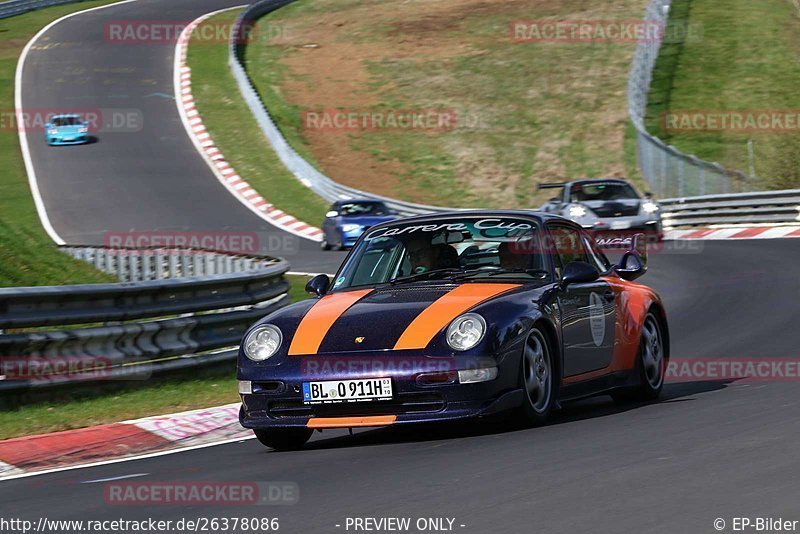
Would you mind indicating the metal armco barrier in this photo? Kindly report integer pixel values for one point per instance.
(302, 169)
(145, 327)
(768, 207)
(18, 7)
(134, 265)
(668, 171)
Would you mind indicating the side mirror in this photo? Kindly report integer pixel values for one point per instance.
(648, 194)
(318, 285)
(331, 214)
(630, 266)
(633, 263)
(578, 272)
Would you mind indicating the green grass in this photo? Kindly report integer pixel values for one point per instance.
(526, 112)
(236, 133)
(135, 400)
(168, 396)
(27, 255)
(742, 55)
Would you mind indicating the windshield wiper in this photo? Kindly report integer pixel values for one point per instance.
(425, 275)
(473, 273)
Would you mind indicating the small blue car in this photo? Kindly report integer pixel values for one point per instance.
(66, 129)
(348, 219)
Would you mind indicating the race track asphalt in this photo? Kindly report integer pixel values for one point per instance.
(710, 449)
(142, 174)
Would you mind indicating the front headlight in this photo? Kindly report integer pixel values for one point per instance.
(351, 227)
(83, 129)
(577, 211)
(262, 342)
(466, 331)
(52, 132)
(649, 207)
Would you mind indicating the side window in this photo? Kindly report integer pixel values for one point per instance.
(598, 259)
(568, 246)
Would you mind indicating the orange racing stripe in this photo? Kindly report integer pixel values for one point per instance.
(319, 319)
(350, 422)
(439, 314)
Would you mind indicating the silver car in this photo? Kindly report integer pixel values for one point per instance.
(606, 206)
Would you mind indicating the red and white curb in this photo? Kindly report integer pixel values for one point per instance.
(222, 169)
(741, 232)
(102, 444)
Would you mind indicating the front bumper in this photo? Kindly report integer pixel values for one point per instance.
(624, 224)
(70, 140)
(349, 238)
(276, 399)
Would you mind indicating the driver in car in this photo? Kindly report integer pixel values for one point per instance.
(427, 257)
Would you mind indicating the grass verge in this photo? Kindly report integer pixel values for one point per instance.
(131, 400)
(27, 255)
(236, 133)
(731, 55)
(526, 112)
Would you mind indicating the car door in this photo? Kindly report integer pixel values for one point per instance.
(587, 309)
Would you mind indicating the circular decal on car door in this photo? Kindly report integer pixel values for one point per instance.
(597, 319)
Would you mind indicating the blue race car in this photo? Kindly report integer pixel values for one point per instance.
(453, 316)
(348, 219)
(66, 129)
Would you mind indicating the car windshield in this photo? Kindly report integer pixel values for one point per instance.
(482, 248)
(356, 209)
(602, 191)
(66, 121)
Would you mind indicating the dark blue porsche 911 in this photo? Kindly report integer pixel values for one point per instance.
(453, 316)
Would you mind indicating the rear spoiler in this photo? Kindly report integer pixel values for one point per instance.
(552, 185)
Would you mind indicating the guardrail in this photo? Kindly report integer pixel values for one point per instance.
(767, 207)
(18, 7)
(134, 265)
(130, 330)
(302, 169)
(667, 170)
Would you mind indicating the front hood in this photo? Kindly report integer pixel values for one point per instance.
(392, 318)
(368, 220)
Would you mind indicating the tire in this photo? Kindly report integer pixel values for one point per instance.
(325, 245)
(340, 246)
(537, 379)
(650, 365)
(283, 439)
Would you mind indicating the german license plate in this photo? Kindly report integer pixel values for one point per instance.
(333, 391)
